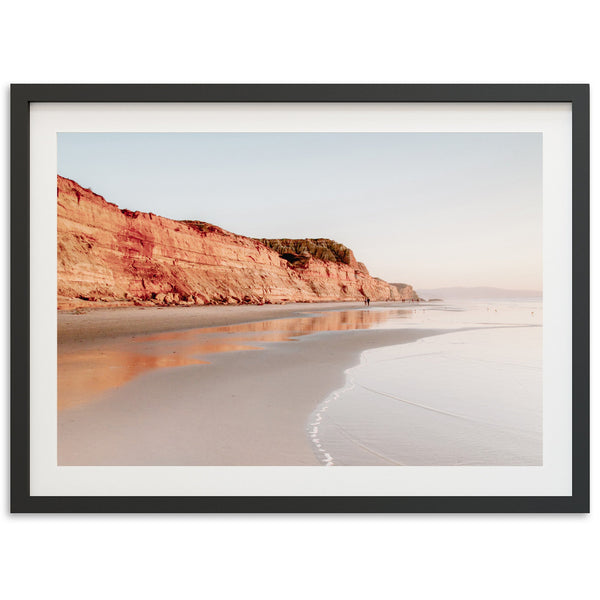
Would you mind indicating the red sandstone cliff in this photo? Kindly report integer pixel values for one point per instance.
(118, 256)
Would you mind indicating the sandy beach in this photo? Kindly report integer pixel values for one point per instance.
(92, 325)
(216, 385)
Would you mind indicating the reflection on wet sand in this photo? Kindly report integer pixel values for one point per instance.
(84, 375)
(295, 326)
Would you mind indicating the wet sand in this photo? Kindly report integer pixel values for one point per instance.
(183, 386)
(94, 324)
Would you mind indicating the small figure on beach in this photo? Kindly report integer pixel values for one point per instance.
(368, 301)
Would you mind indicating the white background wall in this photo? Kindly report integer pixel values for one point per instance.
(405, 556)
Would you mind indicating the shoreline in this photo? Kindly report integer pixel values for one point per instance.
(240, 407)
(483, 408)
(236, 388)
(108, 323)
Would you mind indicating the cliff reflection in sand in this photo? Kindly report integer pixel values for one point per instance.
(83, 375)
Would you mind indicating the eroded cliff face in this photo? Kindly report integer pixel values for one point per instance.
(106, 254)
(406, 291)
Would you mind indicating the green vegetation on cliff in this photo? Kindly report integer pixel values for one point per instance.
(202, 226)
(295, 250)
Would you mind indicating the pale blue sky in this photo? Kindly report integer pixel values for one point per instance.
(430, 209)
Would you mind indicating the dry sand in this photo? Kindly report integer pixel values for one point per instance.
(242, 408)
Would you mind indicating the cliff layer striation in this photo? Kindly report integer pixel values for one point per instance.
(113, 255)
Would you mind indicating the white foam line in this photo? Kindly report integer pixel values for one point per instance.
(316, 421)
(313, 428)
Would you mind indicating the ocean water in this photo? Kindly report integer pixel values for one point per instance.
(471, 396)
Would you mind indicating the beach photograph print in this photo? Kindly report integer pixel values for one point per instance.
(299, 299)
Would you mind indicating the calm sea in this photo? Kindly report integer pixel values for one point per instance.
(466, 397)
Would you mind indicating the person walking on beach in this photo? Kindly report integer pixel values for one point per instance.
(368, 301)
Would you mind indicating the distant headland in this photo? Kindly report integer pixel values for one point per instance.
(475, 293)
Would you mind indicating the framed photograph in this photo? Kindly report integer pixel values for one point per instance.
(300, 298)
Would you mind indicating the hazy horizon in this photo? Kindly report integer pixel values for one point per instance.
(429, 209)
(479, 292)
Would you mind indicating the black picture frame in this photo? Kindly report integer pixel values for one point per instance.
(23, 95)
